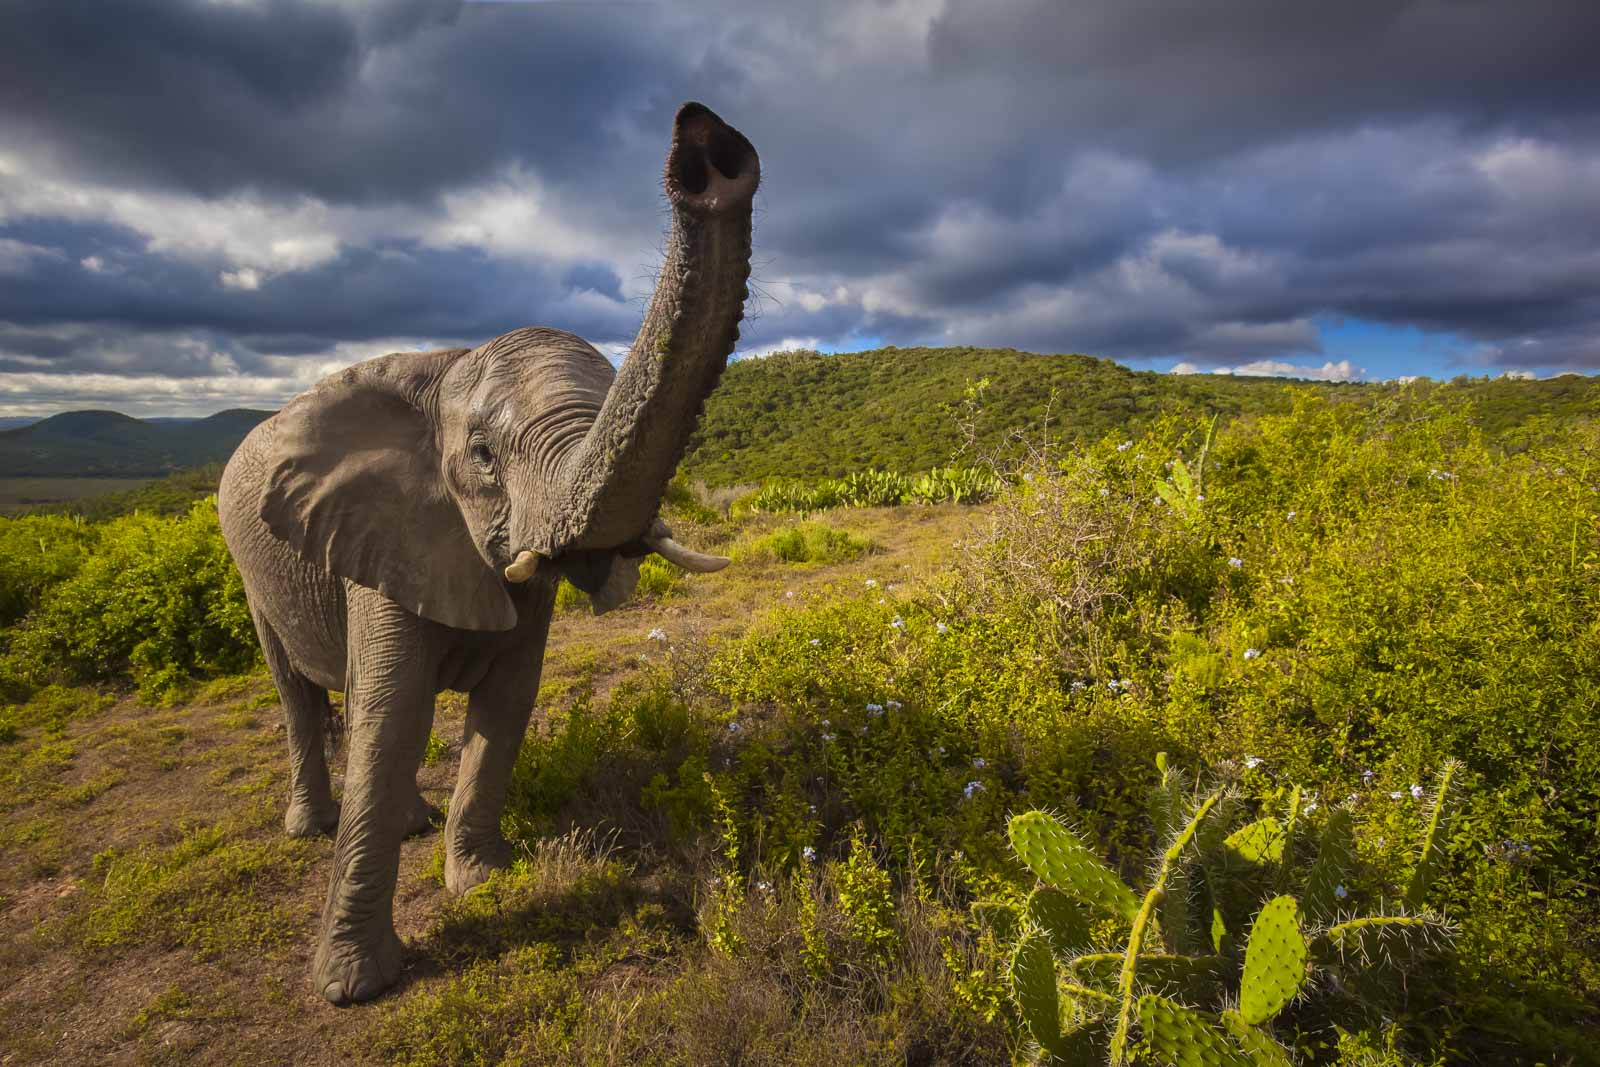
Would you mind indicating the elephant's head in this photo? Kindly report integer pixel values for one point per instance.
(443, 478)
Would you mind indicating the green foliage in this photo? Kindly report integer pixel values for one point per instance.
(873, 488)
(802, 543)
(156, 599)
(804, 415)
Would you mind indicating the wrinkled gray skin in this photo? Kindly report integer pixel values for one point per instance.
(374, 519)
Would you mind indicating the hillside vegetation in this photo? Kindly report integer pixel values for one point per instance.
(805, 415)
(764, 816)
(109, 444)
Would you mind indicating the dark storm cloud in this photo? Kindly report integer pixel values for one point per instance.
(240, 181)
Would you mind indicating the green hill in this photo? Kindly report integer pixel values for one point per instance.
(102, 444)
(807, 415)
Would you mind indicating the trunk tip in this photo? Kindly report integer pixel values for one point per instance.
(711, 167)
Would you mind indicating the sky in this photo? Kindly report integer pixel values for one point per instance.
(214, 203)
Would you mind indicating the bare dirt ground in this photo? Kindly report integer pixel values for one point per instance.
(151, 909)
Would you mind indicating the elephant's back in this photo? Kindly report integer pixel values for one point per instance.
(302, 603)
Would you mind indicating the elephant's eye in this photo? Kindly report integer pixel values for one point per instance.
(481, 455)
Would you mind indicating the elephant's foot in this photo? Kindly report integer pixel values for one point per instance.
(467, 868)
(305, 819)
(356, 967)
(421, 817)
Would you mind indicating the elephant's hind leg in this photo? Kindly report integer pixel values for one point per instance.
(306, 711)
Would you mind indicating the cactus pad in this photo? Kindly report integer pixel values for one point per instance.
(1258, 842)
(1329, 872)
(1061, 919)
(1061, 859)
(1431, 856)
(1033, 983)
(1178, 1035)
(1262, 1050)
(1274, 961)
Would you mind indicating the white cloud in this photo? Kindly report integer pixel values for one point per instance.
(788, 344)
(246, 278)
(1342, 371)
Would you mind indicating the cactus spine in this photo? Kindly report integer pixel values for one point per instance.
(1181, 1036)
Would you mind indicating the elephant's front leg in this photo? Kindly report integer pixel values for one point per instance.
(497, 718)
(389, 711)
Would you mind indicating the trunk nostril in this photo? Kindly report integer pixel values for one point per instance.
(711, 165)
(725, 153)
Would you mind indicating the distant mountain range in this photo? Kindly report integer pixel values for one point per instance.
(108, 444)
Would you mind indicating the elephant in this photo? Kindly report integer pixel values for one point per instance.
(402, 526)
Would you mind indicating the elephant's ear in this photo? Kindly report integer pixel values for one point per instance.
(355, 484)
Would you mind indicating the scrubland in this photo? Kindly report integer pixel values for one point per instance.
(762, 817)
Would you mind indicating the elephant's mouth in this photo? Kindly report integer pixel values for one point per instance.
(658, 540)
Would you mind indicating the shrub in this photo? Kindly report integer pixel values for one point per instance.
(158, 600)
(806, 542)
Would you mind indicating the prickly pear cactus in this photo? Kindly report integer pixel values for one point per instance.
(1258, 842)
(1033, 983)
(1385, 939)
(1274, 961)
(1062, 920)
(1062, 860)
(1330, 871)
(1431, 856)
(1262, 1050)
(1178, 1035)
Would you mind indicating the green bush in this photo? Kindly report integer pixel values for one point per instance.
(36, 553)
(158, 600)
(806, 542)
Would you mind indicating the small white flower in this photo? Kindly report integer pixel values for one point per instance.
(789, 595)
(872, 583)
(941, 628)
(1340, 891)
(658, 634)
(765, 887)
(979, 763)
(1252, 762)
(1138, 455)
(808, 853)
(875, 709)
(1416, 791)
(1311, 806)
(1077, 684)
(898, 623)
(1235, 562)
(829, 737)
(1124, 446)
(1292, 514)
(1107, 492)
(1200, 497)
(893, 705)
(815, 642)
(941, 750)
(1251, 653)
(972, 788)
(1396, 795)
(1367, 775)
(1352, 798)
(733, 727)
(1027, 477)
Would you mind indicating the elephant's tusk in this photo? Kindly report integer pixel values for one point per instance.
(523, 567)
(687, 558)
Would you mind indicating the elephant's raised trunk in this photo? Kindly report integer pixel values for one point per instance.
(622, 467)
